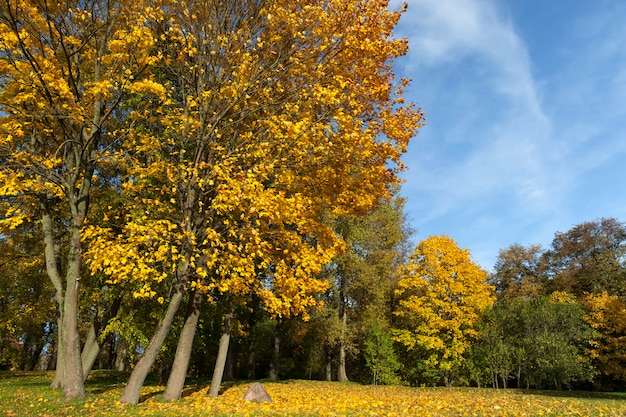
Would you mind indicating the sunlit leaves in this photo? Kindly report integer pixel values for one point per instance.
(607, 314)
(270, 115)
(442, 295)
(63, 74)
(67, 71)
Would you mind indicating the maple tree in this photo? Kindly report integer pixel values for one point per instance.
(607, 315)
(268, 115)
(442, 294)
(64, 70)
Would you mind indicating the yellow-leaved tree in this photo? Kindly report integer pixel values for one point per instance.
(442, 294)
(607, 315)
(65, 69)
(275, 113)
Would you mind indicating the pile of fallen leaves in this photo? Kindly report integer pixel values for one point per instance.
(29, 395)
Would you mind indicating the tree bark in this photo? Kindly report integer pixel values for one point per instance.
(52, 257)
(121, 349)
(59, 371)
(218, 371)
(275, 355)
(74, 381)
(176, 380)
(141, 370)
(329, 366)
(342, 376)
(91, 348)
(52, 362)
(69, 373)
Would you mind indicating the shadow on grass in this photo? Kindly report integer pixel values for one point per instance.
(200, 384)
(25, 374)
(29, 378)
(589, 395)
(102, 381)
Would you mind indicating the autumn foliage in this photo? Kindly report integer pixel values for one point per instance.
(442, 295)
(242, 159)
(223, 132)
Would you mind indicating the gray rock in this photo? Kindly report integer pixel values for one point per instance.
(257, 393)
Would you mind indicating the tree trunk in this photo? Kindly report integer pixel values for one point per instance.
(91, 350)
(52, 361)
(342, 376)
(218, 371)
(59, 370)
(252, 362)
(275, 355)
(329, 366)
(176, 380)
(35, 358)
(74, 386)
(69, 373)
(53, 262)
(341, 370)
(141, 370)
(121, 350)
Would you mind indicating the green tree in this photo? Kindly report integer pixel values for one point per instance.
(537, 341)
(493, 352)
(442, 294)
(363, 276)
(380, 355)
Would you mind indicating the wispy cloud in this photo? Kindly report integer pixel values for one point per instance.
(495, 141)
(482, 149)
(446, 32)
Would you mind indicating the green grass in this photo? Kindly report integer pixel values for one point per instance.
(29, 394)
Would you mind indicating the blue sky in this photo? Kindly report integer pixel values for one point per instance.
(525, 105)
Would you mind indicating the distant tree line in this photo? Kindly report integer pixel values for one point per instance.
(560, 316)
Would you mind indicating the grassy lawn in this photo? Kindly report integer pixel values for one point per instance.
(29, 394)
